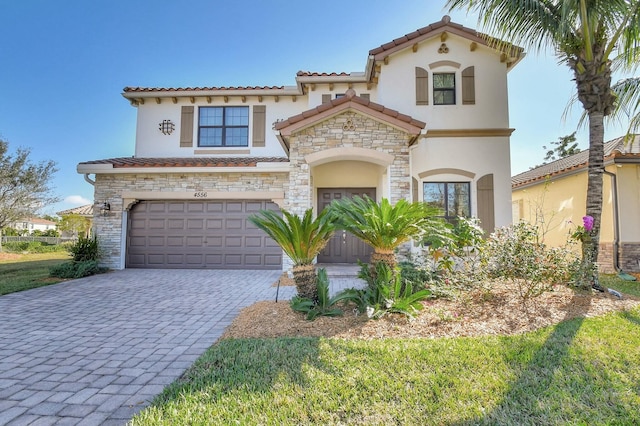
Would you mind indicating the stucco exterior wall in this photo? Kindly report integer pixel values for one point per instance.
(560, 203)
(478, 156)
(491, 109)
(116, 189)
(150, 142)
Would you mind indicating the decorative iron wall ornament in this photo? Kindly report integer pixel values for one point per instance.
(166, 127)
(349, 125)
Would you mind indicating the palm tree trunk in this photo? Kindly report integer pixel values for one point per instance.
(387, 257)
(591, 246)
(306, 281)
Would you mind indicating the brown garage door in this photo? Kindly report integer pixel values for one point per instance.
(199, 234)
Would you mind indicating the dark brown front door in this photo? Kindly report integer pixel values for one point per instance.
(344, 247)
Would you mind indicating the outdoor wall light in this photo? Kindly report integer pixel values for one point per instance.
(105, 209)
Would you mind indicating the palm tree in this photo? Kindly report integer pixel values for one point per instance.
(383, 226)
(301, 240)
(586, 35)
(628, 94)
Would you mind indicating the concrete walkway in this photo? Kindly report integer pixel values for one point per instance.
(95, 351)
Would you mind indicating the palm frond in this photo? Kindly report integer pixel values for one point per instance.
(300, 238)
(382, 225)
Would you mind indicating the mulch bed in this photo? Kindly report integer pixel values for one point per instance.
(498, 311)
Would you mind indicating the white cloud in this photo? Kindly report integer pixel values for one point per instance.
(77, 199)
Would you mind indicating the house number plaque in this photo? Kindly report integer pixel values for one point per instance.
(200, 195)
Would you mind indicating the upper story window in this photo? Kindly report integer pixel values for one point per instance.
(444, 89)
(223, 126)
(452, 198)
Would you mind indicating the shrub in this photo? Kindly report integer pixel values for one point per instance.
(85, 249)
(76, 269)
(515, 253)
(32, 247)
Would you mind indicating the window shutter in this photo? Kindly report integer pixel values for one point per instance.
(259, 125)
(364, 96)
(468, 86)
(486, 212)
(326, 98)
(186, 127)
(422, 86)
(414, 190)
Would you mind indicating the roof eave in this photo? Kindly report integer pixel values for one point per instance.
(108, 169)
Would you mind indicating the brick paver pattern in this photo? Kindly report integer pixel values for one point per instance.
(95, 351)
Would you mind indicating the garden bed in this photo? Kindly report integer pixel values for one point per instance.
(498, 311)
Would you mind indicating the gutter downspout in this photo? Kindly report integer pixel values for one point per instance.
(616, 222)
(88, 179)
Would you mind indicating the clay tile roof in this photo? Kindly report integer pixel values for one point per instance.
(82, 211)
(433, 28)
(124, 162)
(613, 148)
(321, 74)
(349, 97)
(197, 89)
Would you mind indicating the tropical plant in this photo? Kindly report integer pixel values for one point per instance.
(628, 93)
(324, 305)
(382, 225)
(301, 239)
(586, 35)
(386, 292)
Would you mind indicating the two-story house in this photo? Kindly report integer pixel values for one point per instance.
(427, 120)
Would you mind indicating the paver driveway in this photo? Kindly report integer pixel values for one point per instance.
(98, 349)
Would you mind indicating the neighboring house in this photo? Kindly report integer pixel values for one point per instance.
(427, 119)
(85, 211)
(554, 196)
(33, 224)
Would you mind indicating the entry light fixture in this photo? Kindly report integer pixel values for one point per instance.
(105, 209)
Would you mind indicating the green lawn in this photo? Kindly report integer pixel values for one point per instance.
(29, 271)
(625, 287)
(583, 371)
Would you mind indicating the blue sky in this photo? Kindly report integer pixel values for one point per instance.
(64, 63)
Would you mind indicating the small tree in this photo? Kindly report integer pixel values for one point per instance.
(75, 224)
(563, 147)
(382, 225)
(24, 186)
(301, 239)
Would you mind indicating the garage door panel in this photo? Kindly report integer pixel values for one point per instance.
(175, 223)
(234, 206)
(253, 242)
(175, 241)
(199, 234)
(215, 224)
(155, 259)
(234, 223)
(194, 241)
(233, 242)
(156, 241)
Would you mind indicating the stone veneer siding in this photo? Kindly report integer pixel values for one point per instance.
(629, 255)
(346, 130)
(110, 187)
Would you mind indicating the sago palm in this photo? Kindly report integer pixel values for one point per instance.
(381, 225)
(586, 35)
(301, 239)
